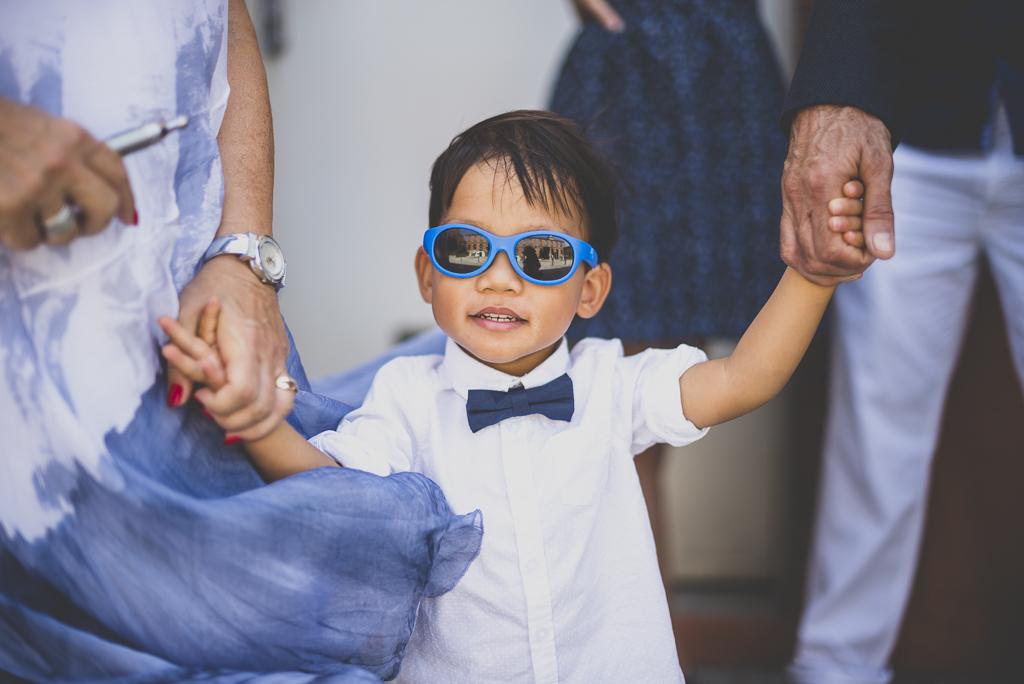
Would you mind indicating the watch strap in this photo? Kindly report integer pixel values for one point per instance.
(246, 247)
(240, 244)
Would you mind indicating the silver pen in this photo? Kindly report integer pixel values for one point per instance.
(144, 136)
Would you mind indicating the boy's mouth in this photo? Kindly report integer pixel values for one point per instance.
(500, 318)
(498, 315)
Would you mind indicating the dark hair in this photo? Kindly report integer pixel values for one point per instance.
(554, 164)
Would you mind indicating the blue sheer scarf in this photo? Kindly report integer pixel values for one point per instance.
(196, 570)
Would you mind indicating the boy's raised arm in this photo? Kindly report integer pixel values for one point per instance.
(773, 345)
(765, 357)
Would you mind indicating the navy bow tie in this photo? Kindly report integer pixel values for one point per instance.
(488, 407)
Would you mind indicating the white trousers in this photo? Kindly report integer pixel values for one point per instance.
(898, 332)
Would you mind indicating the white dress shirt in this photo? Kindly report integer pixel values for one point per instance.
(567, 586)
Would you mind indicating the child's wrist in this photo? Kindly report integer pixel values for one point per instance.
(793, 273)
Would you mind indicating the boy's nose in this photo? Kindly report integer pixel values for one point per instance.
(500, 276)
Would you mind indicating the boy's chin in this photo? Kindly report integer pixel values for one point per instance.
(513, 363)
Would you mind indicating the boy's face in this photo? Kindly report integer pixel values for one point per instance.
(504, 321)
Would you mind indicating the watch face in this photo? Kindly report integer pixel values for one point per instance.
(272, 259)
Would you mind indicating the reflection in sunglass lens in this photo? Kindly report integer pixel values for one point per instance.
(544, 257)
(461, 251)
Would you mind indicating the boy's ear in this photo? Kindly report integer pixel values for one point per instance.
(424, 274)
(596, 285)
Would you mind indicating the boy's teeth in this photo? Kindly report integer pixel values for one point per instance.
(498, 317)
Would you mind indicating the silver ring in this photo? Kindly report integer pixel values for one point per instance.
(61, 223)
(286, 382)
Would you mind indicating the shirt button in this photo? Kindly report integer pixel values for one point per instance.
(513, 427)
(532, 565)
(542, 634)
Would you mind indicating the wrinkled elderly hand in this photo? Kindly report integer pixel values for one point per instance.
(252, 342)
(46, 162)
(601, 12)
(828, 147)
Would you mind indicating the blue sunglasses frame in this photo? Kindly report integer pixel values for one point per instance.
(582, 252)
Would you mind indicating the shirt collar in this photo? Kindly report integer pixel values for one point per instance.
(466, 373)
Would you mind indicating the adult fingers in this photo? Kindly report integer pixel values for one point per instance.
(29, 194)
(179, 384)
(15, 213)
(109, 166)
(179, 387)
(63, 154)
(189, 310)
(208, 321)
(192, 356)
(52, 205)
(602, 12)
(96, 201)
(43, 169)
(879, 226)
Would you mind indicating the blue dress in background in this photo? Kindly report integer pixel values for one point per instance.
(686, 100)
(134, 545)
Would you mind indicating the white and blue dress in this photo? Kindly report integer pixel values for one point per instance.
(133, 544)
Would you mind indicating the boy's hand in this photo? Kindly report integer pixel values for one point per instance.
(846, 214)
(197, 358)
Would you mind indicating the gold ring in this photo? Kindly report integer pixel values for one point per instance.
(286, 382)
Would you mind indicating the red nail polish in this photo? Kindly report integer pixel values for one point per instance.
(135, 218)
(174, 396)
(233, 439)
(206, 413)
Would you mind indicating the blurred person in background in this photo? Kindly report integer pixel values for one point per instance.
(685, 96)
(957, 197)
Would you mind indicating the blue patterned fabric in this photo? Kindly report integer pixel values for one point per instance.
(687, 101)
(134, 545)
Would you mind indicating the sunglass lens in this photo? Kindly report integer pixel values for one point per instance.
(544, 257)
(458, 250)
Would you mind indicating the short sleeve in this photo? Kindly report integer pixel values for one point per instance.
(657, 407)
(377, 437)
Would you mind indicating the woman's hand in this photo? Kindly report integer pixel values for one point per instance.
(47, 162)
(197, 357)
(601, 12)
(283, 451)
(252, 342)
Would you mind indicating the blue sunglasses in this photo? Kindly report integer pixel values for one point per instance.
(462, 251)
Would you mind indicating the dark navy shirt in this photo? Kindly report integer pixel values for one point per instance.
(942, 63)
(980, 64)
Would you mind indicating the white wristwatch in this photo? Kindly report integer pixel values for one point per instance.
(262, 252)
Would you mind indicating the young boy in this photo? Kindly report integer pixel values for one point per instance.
(538, 437)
